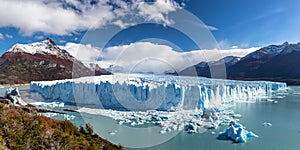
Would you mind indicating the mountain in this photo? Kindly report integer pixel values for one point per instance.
(282, 65)
(203, 68)
(40, 61)
(98, 70)
(273, 63)
(266, 52)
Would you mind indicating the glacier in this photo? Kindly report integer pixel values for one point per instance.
(153, 92)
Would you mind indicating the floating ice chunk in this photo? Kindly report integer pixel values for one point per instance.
(49, 114)
(251, 134)
(272, 101)
(237, 133)
(121, 122)
(267, 124)
(163, 131)
(168, 121)
(68, 117)
(191, 127)
(55, 104)
(133, 123)
(60, 116)
(113, 132)
(236, 115)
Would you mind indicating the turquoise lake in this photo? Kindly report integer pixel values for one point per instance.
(284, 134)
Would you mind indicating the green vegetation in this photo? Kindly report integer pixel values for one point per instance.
(23, 130)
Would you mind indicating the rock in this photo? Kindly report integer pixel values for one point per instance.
(5, 101)
(26, 109)
(12, 99)
(70, 110)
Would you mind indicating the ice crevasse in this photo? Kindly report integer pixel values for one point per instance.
(153, 92)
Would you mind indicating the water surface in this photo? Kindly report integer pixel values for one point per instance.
(284, 134)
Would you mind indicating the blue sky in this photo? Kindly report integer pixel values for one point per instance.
(241, 23)
(250, 22)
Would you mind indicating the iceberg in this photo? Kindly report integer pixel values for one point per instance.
(267, 124)
(58, 116)
(13, 95)
(237, 133)
(49, 104)
(153, 92)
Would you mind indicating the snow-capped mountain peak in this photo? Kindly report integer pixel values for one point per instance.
(291, 48)
(228, 60)
(46, 47)
(233, 59)
(42, 61)
(275, 49)
(272, 50)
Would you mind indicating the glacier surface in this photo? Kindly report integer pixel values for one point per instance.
(153, 92)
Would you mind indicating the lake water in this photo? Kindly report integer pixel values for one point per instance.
(284, 134)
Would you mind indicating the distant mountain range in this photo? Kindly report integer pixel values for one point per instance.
(42, 61)
(46, 61)
(273, 63)
(203, 68)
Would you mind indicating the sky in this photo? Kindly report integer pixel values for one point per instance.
(182, 25)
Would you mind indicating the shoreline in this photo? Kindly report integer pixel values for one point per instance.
(24, 84)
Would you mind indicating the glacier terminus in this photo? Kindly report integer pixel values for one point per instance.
(140, 92)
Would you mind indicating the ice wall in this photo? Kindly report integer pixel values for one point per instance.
(149, 92)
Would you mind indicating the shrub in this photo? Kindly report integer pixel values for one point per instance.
(20, 130)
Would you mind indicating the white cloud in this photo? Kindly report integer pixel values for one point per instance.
(234, 47)
(9, 36)
(84, 53)
(1, 36)
(149, 57)
(39, 37)
(157, 10)
(62, 41)
(212, 28)
(69, 16)
(223, 44)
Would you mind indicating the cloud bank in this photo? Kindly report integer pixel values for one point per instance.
(65, 17)
(148, 57)
(85, 53)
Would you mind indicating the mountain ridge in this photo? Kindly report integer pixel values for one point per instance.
(272, 63)
(38, 61)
